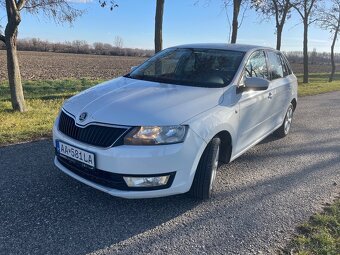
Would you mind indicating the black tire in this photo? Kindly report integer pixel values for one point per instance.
(284, 129)
(203, 182)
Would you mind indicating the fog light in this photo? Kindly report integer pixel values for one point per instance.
(146, 181)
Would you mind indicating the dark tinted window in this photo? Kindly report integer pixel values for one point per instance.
(257, 66)
(275, 65)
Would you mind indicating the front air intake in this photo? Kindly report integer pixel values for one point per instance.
(93, 134)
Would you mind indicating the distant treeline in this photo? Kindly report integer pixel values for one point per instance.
(315, 58)
(78, 47)
(98, 48)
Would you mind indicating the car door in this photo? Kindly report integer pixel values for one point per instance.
(254, 106)
(280, 87)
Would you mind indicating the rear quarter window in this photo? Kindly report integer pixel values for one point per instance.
(286, 67)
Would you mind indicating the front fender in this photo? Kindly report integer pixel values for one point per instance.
(215, 120)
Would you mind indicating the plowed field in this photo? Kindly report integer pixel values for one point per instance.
(46, 65)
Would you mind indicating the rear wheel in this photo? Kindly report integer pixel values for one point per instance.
(285, 127)
(203, 183)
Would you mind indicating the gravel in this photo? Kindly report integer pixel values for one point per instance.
(259, 200)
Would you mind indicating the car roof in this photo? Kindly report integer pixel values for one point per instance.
(223, 46)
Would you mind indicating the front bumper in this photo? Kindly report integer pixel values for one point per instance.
(181, 160)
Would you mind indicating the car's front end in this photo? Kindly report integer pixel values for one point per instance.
(137, 151)
(124, 170)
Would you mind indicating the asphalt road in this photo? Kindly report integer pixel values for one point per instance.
(260, 199)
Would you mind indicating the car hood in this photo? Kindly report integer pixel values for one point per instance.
(125, 101)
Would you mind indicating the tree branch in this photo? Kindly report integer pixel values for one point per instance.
(298, 10)
(2, 38)
(310, 7)
(312, 21)
(39, 5)
(276, 12)
(243, 15)
(21, 4)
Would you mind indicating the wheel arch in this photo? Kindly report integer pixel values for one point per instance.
(294, 103)
(226, 146)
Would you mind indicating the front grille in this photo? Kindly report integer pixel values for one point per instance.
(96, 135)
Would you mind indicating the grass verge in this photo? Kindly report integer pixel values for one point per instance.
(44, 99)
(318, 83)
(33, 124)
(321, 235)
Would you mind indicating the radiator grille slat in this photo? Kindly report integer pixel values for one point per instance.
(97, 135)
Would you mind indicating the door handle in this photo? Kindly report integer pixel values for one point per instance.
(270, 95)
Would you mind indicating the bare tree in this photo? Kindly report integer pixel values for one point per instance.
(235, 26)
(159, 25)
(306, 9)
(236, 7)
(80, 46)
(118, 42)
(59, 10)
(329, 19)
(280, 9)
(98, 47)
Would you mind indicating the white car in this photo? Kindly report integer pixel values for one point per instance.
(164, 128)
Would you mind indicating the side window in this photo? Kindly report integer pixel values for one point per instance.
(286, 69)
(275, 65)
(256, 66)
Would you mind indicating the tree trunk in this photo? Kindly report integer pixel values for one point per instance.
(13, 69)
(331, 76)
(14, 77)
(236, 11)
(159, 25)
(278, 37)
(305, 52)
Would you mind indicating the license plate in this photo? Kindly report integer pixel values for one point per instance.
(75, 153)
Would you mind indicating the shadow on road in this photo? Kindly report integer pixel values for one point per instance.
(44, 210)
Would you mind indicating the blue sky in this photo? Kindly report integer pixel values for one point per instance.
(184, 22)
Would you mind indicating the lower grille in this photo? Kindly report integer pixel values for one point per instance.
(106, 179)
(100, 177)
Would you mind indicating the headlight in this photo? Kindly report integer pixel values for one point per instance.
(156, 135)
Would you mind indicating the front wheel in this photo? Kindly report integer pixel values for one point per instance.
(205, 176)
(285, 127)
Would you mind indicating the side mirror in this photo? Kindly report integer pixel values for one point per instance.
(133, 68)
(256, 83)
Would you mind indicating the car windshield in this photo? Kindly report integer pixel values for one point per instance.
(191, 67)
